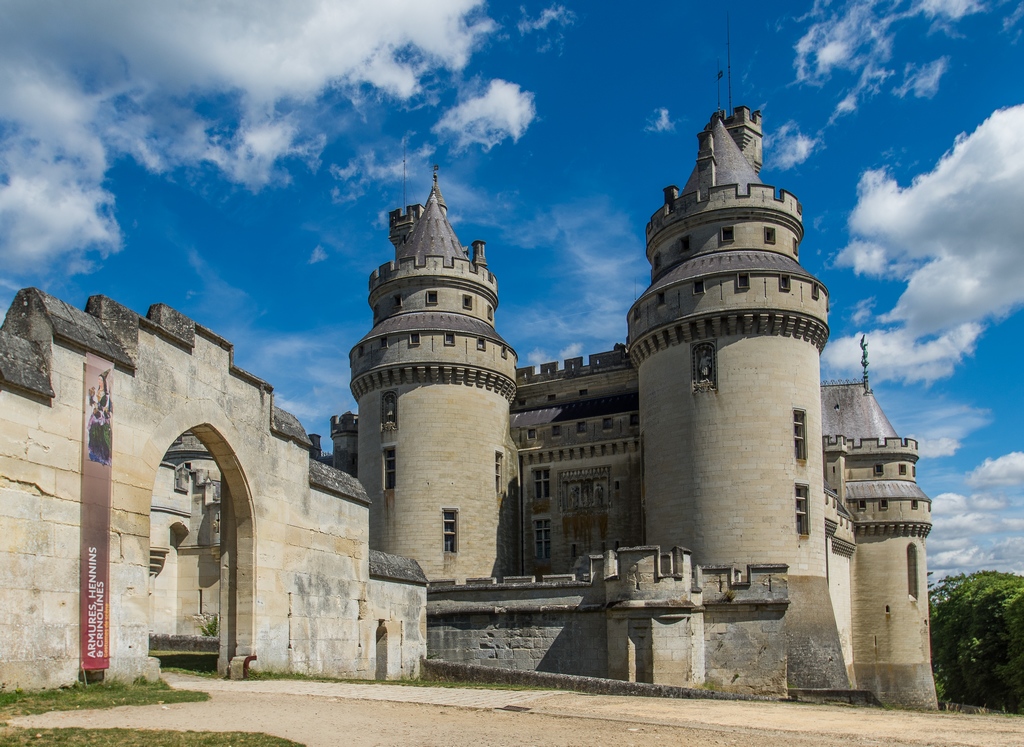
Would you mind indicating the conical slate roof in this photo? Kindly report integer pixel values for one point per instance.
(433, 235)
(847, 410)
(731, 166)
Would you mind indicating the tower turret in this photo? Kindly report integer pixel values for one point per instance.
(434, 380)
(726, 341)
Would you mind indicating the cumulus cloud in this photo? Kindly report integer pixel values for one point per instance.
(503, 111)
(858, 38)
(976, 531)
(788, 147)
(952, 236)
(1007, 470)
(922, 81)
(192, 84)
(660, 121)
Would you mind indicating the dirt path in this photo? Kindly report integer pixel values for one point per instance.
(331, 714)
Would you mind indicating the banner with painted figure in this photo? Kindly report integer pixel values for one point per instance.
(97, 452)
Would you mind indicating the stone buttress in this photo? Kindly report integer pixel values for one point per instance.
(726, 341)
(434, 380)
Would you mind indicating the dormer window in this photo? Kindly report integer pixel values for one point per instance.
(728, 234)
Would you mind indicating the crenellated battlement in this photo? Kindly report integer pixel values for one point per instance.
(610, 360)
(723, 197)
(872, 445)
(434, 266)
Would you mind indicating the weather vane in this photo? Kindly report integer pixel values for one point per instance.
(435, 173)
(864, 360)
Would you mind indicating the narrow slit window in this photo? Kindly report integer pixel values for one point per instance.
(498, 458)
(450, 530)
(800, 434)
(912, 573)
(802, 523)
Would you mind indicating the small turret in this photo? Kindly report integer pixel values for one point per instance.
(479, 258)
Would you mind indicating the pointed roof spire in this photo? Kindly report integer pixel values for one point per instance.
(433, 235)
(720, 161)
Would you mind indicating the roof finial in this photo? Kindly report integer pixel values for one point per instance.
(864, 362)
(435, 173)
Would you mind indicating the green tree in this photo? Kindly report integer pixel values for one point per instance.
(978, 639)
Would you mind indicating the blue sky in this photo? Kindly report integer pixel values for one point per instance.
(237, 161)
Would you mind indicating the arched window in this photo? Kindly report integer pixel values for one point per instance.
(388, 411)
(912, 574)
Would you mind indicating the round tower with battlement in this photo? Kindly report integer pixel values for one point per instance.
(726, 341)
(876, 474)
(434, 381)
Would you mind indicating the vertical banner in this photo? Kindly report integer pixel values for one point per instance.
(96, 489)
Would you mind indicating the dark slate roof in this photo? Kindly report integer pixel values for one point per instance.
(847, 410)
(718, 262)
(334, 481)
(891, 489)
(432, 235)
(434, 321)
(66, 324)
(578, 410)
(396, 568)
(23, 366)
(285, 424)
(731, 167)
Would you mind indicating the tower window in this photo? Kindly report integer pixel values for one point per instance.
(698, 286)
(862, 505)
(384, 342)
(636, 312)
(796, 248)
(661, 299)
(490, 312)
(912, 574)
(743, 281)
(903, 469)
(634, 419)
(450, 529)
(556, 430)
(879, 469)
(531, 433)
(784, 283)
(685, 244)
(542, 539)
(414, 339)
(467, 303)
(883, 504)
(606, 423)
(815, 291)
(581, 427)
(913, 505)
(728, 233)
(360, 351)
(449, 338)
(802, 523)
(769, 235)
(551, 397)
(504, 352)
(541, 484)
(390, 463)
(583, 392)
(431, 298)
(481, 344)
(800, 434)
(398, 302)
(657, 261)
(498, 456)
(389, 411)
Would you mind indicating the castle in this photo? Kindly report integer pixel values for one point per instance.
(705, 447)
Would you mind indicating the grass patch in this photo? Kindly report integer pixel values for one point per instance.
(200, 663)
(265, 675)
(139, 738)
(101, 695)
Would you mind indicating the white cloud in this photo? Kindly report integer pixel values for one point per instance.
(788, 147)
(863, 310)
(318, 255)
(859, 39)
(933, 448)
(922, 81)
(504, 110)
(897, 354)
(84, 84)
(952, 236)
(370, 168)
(659, 121)
(557, 14)
(1005, 471)
(572, 350)
(974, 532)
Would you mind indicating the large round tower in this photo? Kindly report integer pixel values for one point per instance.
(726, 341)
(434, 380)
